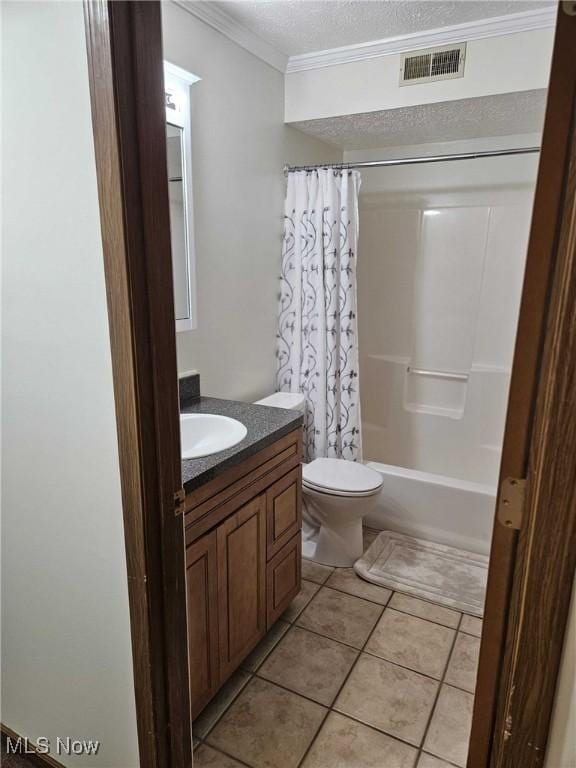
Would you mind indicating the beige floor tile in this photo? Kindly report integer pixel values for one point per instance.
(307, 592)
(211, 713)
(425, 610)
(412, 642)
(392, 699)
(344, 743)
(342, 617)
(206, 757)
(463, 666)
(347, 580)
(472, 625)
(449, 731)
(315, 571)
(265, 646)
(267, 726)
(428, 761)
(309, 664)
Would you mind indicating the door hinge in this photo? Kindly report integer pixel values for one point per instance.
(179, 498)
(511, 504)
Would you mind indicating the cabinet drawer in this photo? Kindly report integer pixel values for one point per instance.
(283, 511)
(283, 575)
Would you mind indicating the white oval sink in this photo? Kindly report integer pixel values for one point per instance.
(202, 434)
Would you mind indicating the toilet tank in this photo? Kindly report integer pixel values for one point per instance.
(293, 401)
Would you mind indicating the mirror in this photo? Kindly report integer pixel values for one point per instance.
(177, 85)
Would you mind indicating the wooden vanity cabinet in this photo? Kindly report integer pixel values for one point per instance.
(241, 583)
(202, 608)
(243, 561)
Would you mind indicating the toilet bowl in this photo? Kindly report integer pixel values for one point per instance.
(337, 495)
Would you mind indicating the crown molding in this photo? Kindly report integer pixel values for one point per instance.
(525, 21)
(457, 33)
(217, 19)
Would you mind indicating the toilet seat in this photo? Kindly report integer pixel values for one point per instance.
(346, 494)
(338, 477)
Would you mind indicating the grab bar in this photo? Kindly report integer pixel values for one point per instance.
(438, 374)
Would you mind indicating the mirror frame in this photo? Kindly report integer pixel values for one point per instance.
(177, 84)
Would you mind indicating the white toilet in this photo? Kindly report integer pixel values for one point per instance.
(337, 495)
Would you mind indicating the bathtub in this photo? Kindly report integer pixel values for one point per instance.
(446, 510)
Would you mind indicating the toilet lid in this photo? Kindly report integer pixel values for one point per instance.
(341, 475)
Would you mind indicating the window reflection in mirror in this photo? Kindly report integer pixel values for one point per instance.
(177, 86)
(180, 266)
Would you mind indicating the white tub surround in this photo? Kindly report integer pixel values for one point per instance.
(442, 509)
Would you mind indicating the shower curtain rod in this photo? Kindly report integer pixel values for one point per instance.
(416, 160)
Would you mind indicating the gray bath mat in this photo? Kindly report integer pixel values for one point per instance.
(444, 575)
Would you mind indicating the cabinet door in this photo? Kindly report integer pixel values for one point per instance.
(202, 605)
(241, 583)
(284, 510)
(283, 576)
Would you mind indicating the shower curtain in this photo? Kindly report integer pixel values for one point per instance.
(317, 340)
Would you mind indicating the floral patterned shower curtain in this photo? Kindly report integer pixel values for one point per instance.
(317, 340)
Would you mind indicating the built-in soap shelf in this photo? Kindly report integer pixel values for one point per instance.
(435, 392)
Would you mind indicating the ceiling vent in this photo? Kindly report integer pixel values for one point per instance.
(431, 64)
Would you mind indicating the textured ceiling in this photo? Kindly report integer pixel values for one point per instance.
(303, 26)
(487, 116)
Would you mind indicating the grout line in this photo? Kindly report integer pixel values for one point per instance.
(301, 611)
(359, 651)
(394, 608)
(329, 637)
(378, 730)
(273, 647)
(443, 759)
(227, 707)
(360, 597)
(340, 689)
(438, 692)
(366, 653)
(469, 634)
(232, 757)
(296, 693)
(382, 658)
(446, 626)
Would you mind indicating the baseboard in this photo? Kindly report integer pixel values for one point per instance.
(28, 750)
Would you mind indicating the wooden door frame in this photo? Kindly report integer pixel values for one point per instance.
(125, 62)
(531, 571)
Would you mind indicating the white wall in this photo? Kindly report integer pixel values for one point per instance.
(503, 64)
(441, 261)
(239, 148)
(66, 656)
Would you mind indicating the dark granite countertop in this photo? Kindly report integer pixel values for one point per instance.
(265, 425)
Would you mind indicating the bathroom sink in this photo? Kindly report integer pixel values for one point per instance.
(202, 434)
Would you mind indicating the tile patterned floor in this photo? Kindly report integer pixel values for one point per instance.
(351, 676)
